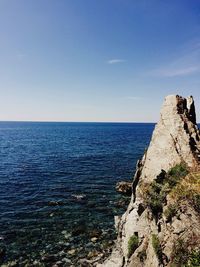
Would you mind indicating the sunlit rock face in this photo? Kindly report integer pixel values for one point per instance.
(175, 140)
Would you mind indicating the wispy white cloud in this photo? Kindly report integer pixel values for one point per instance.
(115, 61)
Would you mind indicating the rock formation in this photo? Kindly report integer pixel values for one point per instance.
(124, 188)
(152, 238)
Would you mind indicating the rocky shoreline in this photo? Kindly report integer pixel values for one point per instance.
(161, 224)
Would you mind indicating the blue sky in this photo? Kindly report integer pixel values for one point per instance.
(90, 60)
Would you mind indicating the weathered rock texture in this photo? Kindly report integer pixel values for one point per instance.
(124, 188)
(175, 140)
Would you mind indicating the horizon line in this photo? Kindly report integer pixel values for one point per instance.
(76, 121)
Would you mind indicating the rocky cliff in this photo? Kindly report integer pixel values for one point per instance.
(161, 225)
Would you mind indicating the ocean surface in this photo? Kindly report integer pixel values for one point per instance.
(57, 187)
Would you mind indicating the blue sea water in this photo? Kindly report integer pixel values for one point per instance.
(44, 166)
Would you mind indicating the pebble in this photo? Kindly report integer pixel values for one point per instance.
(49, 258)
(67, 236)
(94, 239)
(80, 229)
(62, 253)
(71, 251)
(58, 264)
(95, 233)
(92, 254)
(66, 260)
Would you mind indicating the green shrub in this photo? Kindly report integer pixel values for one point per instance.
(155, 198)
(155, 205)
(183, 257)
(133, 244)
(163, 184)
(194, 259)
(180, 253)
(157, 247)
(178, 171)
(170, 212)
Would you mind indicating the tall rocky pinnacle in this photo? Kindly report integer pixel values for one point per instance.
(175, 140)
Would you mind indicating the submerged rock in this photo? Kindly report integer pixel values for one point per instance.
(79, 196)
(79, 229)
(56, 203)
(95, 233)
(49, 258)
(2, 254)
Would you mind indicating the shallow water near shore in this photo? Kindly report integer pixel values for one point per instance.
(57, 187)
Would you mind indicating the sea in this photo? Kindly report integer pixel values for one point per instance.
(57, 188)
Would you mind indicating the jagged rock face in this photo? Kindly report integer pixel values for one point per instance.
(175, 139)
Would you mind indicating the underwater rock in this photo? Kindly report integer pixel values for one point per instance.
(72, 251)
(56, 203)
(92, 254)
(78, 230)
(79, 196)
(2, 254)
(95, 233)
(94, 239)
(49, 258)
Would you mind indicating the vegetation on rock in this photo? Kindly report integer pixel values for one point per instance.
(188, 190)
(181, 255)
(157, 191)
(170, 212)
(133, 244)
(157, 247)
(194, 259)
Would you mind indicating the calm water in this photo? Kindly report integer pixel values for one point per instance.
(44, 166)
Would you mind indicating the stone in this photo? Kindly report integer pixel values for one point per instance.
(49, 258)
(78, 230)
(94, 239)
(124, 188)
(71, 252)
(66, 261)
(179, 227)
(117, 222)
(95, 233)
(79, 196)
(55, 203)
(92, 254)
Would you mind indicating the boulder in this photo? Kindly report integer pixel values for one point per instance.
(124, 188)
